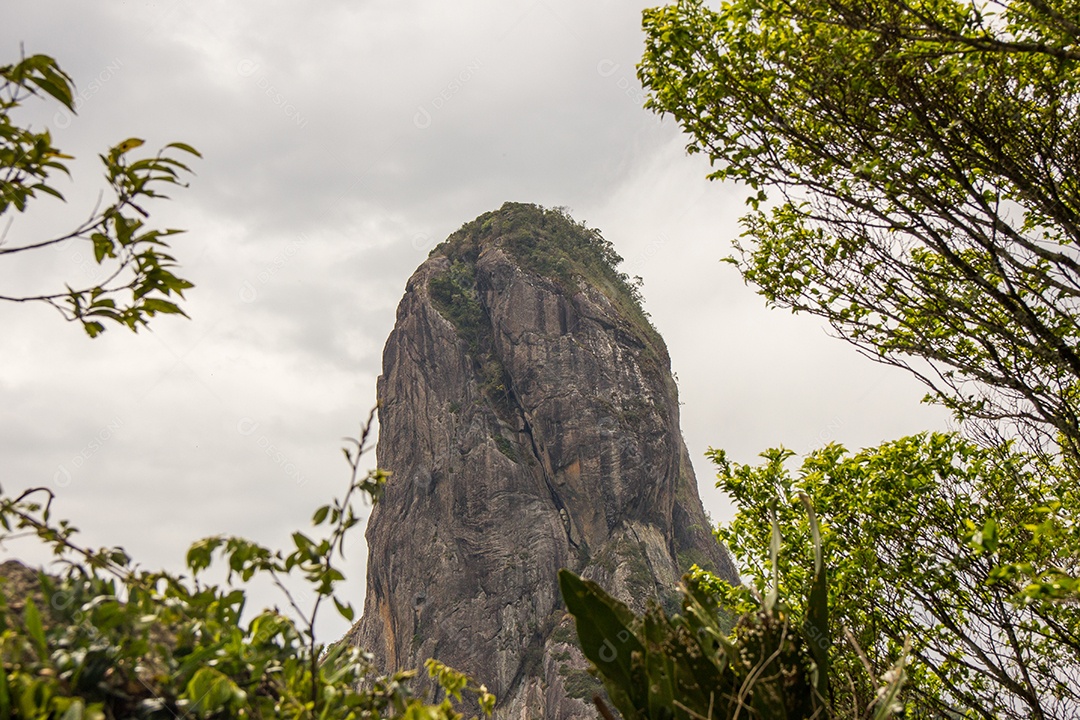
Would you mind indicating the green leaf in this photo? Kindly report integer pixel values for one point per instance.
(346, 610)
(212, 692)
(816, 624)
(55, 86)
(486, 701)
(986, 539)
(74, 710)
(200, 554)
(46, 189)
(659, 663)
(103, 245)
(128, 145)
(32, 619)
(302, 542)
(157, 305)
(603, 626)
(5, 695)
(185, 147)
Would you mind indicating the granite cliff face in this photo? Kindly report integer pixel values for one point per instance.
(530, 422)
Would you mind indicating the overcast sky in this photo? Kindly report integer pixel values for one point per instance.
(341, 142)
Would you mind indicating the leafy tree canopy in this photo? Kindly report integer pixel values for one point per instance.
(913, 176)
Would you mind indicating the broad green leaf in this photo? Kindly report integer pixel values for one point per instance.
(200, 554)
(32, 619)
(659, 664)
(603, 625)
(57, 86)
(211, 692)
(48, 190)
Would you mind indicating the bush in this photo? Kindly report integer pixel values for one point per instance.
(104, 639)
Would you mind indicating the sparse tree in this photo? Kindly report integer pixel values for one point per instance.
(139, 279)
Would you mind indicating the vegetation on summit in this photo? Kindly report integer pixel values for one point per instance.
(548, 243)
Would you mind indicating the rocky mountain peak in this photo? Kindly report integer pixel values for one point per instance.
(530, 422)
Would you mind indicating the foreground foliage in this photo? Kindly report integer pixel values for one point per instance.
(105, 639)
(773, 663)
(936, 577)
(970, 553)
(139, 273)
